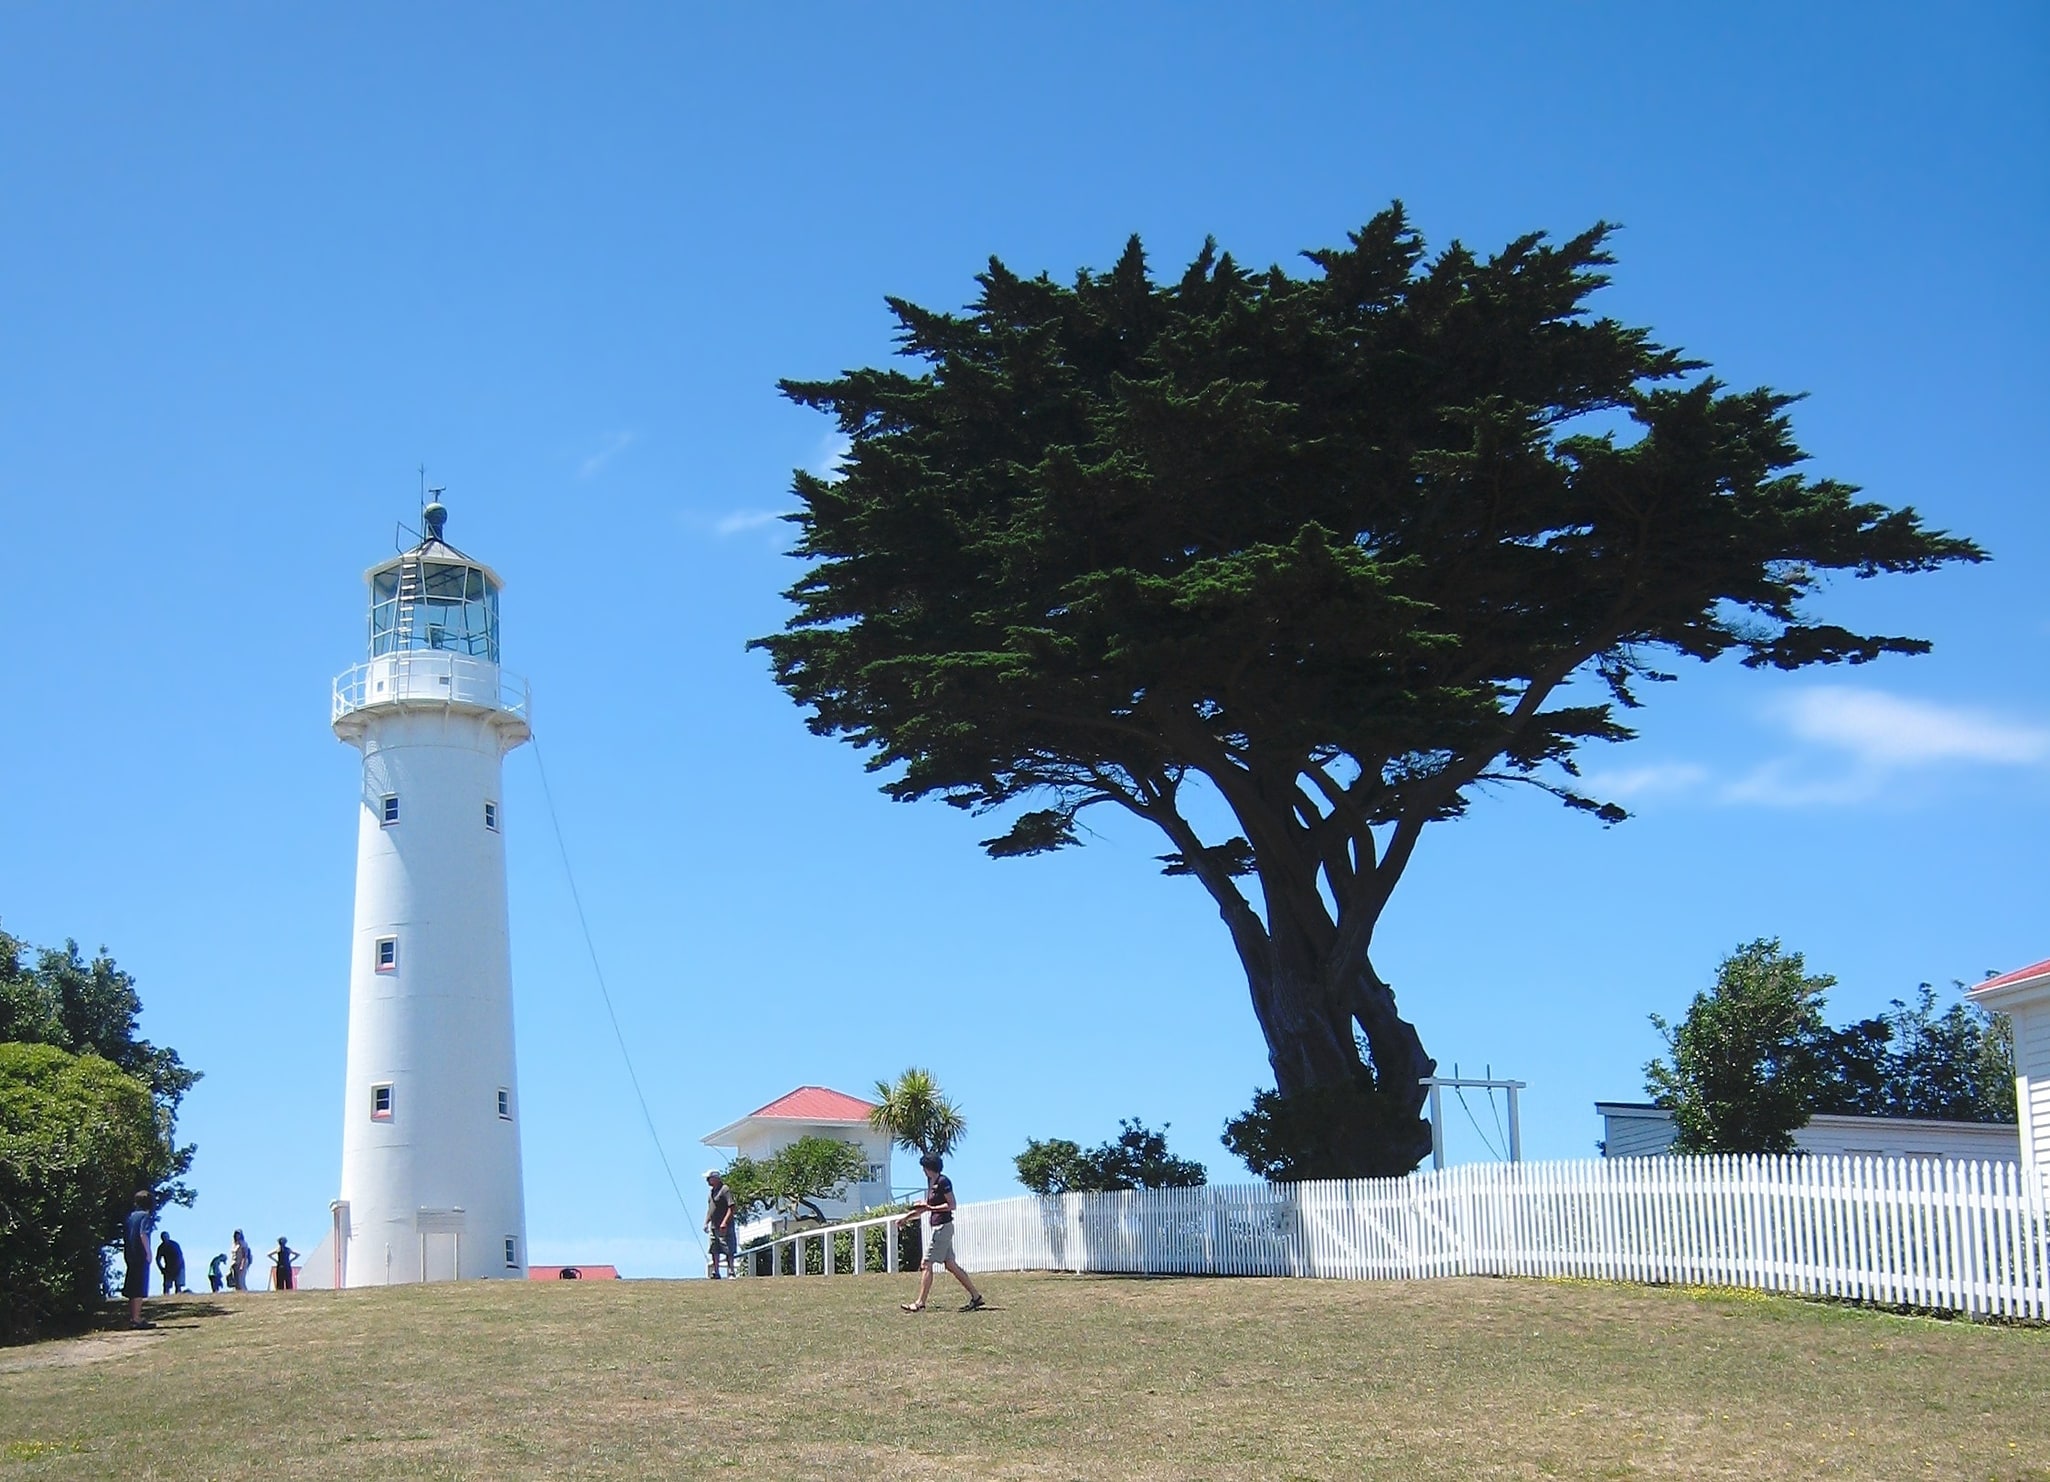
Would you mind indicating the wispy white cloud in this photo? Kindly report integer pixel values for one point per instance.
(1872, 743)
(743, 520)
(615, 443)
(1890, 731)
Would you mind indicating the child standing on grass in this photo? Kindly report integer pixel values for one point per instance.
(939, 1248)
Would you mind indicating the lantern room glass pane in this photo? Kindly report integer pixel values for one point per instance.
(445, 605)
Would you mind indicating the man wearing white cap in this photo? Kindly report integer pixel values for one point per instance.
(719, 1222)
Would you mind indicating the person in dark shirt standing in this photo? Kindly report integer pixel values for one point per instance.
(170, 1264)
(281, 1278)
(939, 1248)
(719, 1222)
(135, 1255)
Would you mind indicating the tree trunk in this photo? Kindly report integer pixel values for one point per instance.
(1315, 1052)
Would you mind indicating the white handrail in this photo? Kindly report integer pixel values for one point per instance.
(824, 1235)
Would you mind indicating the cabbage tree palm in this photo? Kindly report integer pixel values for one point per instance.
(916, 1114)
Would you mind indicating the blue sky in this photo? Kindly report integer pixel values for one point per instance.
(258, 263)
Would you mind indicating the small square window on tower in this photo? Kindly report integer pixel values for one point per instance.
(387, 958)
(390, 809)
(512, 1252)
(491, 817)
(380, 1102)
(504, 1104)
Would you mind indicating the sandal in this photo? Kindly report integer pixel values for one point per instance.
(911, 1306)
(974, 1304)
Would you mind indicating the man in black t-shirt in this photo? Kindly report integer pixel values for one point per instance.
(719, 1222)
(939, 1247)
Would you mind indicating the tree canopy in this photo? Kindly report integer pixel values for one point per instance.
(1331, 550)
(1743, 1073)
(796, 1176)
(55, 996)
(1753, 1059)
(1137, 1158)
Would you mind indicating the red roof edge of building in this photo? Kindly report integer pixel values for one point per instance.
(2020, 974)
(581, 1273)
(817, 1104)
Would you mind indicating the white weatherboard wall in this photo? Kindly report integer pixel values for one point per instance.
(2024, 996)
(431, 1181)
(1637, 1130)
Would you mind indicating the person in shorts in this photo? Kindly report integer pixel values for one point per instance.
(939, 1242)
(135, 1256)
(719, 1224)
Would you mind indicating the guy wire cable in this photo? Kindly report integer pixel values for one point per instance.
(605, 993)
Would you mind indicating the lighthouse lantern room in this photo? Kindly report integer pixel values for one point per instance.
(431, 1184)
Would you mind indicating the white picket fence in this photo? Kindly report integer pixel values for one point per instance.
(1924, 1233)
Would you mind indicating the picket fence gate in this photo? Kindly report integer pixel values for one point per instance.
(1934, 1234)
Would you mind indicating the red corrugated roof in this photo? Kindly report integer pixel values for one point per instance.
(817, 1104)
(583, 1273)
(2035, 971)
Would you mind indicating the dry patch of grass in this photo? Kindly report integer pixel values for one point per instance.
(1068, 1377)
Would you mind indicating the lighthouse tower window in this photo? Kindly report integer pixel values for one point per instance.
(387, 954)
(391, 809)
(512, 1253)
(504, 1104)
(491, 817)
(380, 1102)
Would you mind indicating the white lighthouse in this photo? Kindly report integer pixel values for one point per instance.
(431, 1187)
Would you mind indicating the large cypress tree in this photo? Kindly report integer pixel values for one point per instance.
(1335, 547)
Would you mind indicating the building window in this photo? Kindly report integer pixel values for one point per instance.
(504, 1104)
(491, 817)
(387, 954)
(512, 1252)
(380, 1102)
(391, 809)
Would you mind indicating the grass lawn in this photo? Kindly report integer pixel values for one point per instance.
(1066, 1377)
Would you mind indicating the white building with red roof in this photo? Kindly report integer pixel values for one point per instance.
(2024, 996)
(815, 1111)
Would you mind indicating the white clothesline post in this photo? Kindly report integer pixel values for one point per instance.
(1462, 1083)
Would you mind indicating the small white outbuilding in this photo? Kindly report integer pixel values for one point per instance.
(815, 1111)
(2024, 996)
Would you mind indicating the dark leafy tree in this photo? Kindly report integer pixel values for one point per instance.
(78, 1137)
(1743, 1073)
(1320, 555)
(1957, 1065)
(90, 1008)
(1137, 1158)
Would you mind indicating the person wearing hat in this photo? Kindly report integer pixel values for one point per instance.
(719, 1222)
(939, 1241)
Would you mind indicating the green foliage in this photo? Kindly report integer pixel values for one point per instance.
(916, 1115)
(78, 1137)
(1956, 1066)
(90, 1008)
(1315, 1134)
(1744, 1072)
(1137, 1158)
(1322, 555)
(795, 1177)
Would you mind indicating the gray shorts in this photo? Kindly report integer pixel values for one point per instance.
(939, 1244)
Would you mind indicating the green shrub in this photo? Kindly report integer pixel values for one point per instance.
(77, 1139)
